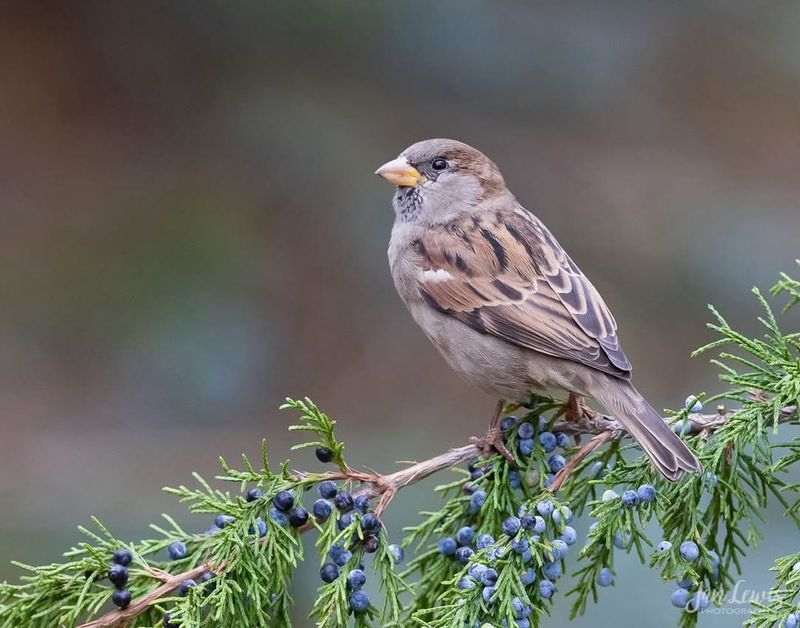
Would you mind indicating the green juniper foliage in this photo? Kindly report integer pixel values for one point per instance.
(495, 551)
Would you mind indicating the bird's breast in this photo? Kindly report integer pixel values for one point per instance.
(404, 263)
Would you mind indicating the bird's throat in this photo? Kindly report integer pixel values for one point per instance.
(407, 204)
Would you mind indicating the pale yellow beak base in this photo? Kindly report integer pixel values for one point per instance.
(399, 172)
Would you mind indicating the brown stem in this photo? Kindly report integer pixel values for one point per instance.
(577, 458)
(140, 605)
(597, 423)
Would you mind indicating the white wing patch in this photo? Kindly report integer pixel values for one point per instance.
(435, 275)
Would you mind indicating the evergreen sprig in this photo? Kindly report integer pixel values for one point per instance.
(783, 605)
(314, 420)
(789, 286)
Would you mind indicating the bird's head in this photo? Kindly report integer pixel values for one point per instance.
(439, 179)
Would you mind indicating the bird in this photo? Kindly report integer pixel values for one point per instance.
(495, 292)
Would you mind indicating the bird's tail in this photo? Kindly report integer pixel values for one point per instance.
(666, 450)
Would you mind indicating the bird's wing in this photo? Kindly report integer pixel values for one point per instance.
(503, 273)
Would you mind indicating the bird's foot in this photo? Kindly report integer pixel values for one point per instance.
(493, 441)
(494, 437)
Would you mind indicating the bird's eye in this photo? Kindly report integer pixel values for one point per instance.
(438, 164)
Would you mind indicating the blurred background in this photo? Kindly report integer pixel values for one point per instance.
(192, 230)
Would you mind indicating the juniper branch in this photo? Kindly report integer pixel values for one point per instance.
(706, 424)
(602, 427)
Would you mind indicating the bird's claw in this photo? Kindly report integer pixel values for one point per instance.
(494, 441)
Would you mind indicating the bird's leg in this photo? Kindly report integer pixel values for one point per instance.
(494, 437)
(576, 408)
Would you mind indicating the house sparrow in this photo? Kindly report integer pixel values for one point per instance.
(502, 301)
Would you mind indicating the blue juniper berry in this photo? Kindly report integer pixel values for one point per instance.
(298, 517)
(359, 601)
(361, 503)
(569, 536)
(551, 571)
(356, 579)
(528, 577)
(567, 515)
(646, 492)
(176, 550)
(605, 578)
(463, 554)
(689, 551)
(323, 454)
(546, 589)
(693, 403)
(511, 526)
(466, 583)
(465, 535)
(121, 598)
(447, 546)
(545, 508)
(547, 441)
(556, 462)
(343, 501)
(680, 598)
(253, 493)
(283, 500)
(630, 499)
(476, 501)
(345, 521)
(322, 509)
(525, 446)
(475, 571)
(507, 423)
(329, 572)
(278, 517)
(370, 522)
(223, 521)
(122, 557)
(397, 552)
(118, 575)
(370, 544)
(327, 489)
(525, 430)
(685, 583)
(488, 577)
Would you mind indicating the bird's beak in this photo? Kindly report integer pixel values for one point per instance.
(400, 172)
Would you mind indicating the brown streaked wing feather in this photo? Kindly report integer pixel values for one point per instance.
(581, 298)
(504, 274)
